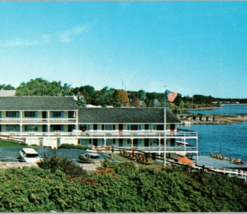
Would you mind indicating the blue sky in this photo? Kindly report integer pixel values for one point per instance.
(191, 47)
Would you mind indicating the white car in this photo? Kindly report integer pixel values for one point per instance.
(29, 155)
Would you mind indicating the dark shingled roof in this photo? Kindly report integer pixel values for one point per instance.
(125, 115)
(16, 103)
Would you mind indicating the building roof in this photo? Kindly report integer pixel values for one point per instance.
(32, 103)
(125, 115)
(7, 93)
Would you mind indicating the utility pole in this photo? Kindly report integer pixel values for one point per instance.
(165, 128)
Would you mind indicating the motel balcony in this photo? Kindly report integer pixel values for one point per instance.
(37, 120)
(110, 134)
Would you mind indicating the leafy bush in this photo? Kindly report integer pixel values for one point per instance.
(119, 188)
(71, 146)
(54, 163)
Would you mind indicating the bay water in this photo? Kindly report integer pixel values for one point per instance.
(227, 139)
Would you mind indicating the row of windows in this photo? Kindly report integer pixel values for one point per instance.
(113, 142)
(120, 127)
(43, 128)
(34, 114)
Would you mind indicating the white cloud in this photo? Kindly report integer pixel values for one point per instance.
(64, 36)
(67, 36)
(18, 42)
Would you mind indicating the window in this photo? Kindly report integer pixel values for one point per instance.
(108, 127)
(12, 114)
(57, 114)
(129, 141)
(114, 141)
(160, 127)
(12, 128)
(71, 114)
(56, 127)
(31, 128)
(31, 114)
(102, 142)
(128, 127)
(134, 127)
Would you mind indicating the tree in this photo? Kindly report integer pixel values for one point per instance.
(40, 87)
(80, 100)
(123, 96)
(7, 87)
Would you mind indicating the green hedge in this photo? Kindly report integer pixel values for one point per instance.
(71, 146)
(120, 188)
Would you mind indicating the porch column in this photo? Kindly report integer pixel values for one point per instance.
(77, 119)
(20, 112)
(197, 149)
(105, 142)
(48, 122)
(159, 145)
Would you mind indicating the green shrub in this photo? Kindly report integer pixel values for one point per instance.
(71, 146)
(54, 163)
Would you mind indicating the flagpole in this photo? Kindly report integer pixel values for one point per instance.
(165, 129)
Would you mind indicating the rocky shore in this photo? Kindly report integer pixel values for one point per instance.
(194, 120)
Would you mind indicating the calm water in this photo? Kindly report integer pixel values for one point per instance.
(232, 138)
(224, 109)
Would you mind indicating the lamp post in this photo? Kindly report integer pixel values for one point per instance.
(165, 128)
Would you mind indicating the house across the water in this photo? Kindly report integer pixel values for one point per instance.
(52, 121)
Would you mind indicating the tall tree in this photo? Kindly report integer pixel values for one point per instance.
(7, 87)
(40, 87)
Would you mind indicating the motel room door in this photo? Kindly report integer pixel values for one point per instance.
(95, 142)
(172, 127)
(120, 127)
(146, 142)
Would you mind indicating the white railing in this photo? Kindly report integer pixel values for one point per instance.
(231, 172)
(161, 148)
(109, 134)
(36, 120)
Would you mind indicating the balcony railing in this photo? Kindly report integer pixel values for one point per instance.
(161, 148)
(110, 134)
(36, 120)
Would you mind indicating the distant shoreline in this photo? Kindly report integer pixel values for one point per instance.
(195, 109)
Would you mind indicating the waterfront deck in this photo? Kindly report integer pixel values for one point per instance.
(208, 161)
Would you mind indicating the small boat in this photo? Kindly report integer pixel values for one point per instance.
(91, 157)
(29, 155)
(237, 161)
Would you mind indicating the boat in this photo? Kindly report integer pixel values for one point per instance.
(91, 157)
(237, 161)
(29, 155)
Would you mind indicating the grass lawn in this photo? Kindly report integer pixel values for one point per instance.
(4, 143)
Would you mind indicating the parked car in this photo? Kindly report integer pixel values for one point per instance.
(29, 155)
(91, 157)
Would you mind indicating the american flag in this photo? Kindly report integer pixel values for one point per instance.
(170, 96)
